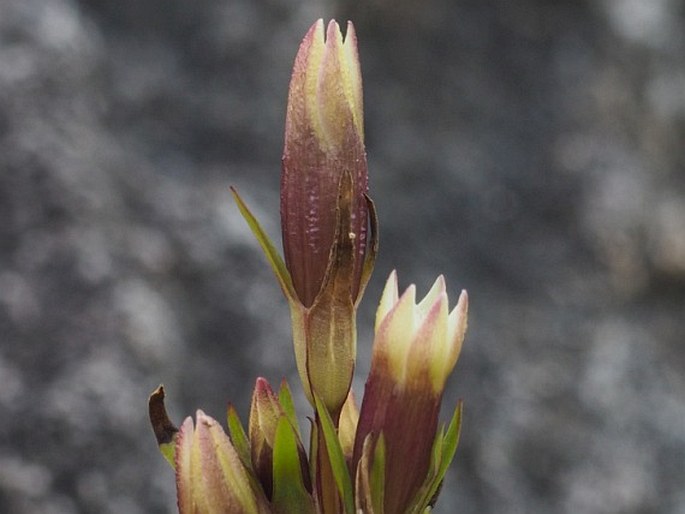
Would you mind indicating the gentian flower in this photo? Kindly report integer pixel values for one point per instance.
(415, 349)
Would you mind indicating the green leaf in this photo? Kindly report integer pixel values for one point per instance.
(285, 398)
(272, 255)
(165, 431)
(377, 479)
(335, 456)
(436, 456)
(448, 445)
(239, 437)
(289, 492)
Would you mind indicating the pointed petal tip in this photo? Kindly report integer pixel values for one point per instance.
(434, 317)
(463, 303)
(437, 289)
(314, 36)
(350, 32)
(392, 282)
(202, 420)
(389, 298)
(186, 427)
(316, 27)
(262, 386)
(334, 32)
(409, 294)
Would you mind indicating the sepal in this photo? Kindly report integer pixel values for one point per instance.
(370, 477)
(165, 431)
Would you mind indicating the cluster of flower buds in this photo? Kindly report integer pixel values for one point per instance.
(262, 471)
(391, 455)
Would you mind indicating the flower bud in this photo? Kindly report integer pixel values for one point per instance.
(325, 212)
(324, 139)
(265, 414)
(415, 349)
(210, 477)
(328, 222)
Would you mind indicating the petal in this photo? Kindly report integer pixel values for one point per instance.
(437, 288)
(426, 360)
(388, 299)
(457, 325)
(395, 334)
(352, 78)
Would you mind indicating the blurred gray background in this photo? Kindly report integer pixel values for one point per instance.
(533, 151)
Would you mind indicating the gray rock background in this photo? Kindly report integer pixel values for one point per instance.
(532, 151)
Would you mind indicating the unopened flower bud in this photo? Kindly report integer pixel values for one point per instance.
(325, 211)
(324, 139)
(328, 222)
(265, 414)
(210, 477)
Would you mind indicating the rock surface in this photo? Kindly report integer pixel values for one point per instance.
(531, 151)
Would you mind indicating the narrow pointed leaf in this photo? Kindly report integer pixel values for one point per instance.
(165, 431)
(272, 255)
(289, 492)
(239, 437)
(444, 449)
(336, 457)
(449, 447)
(285, 398)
